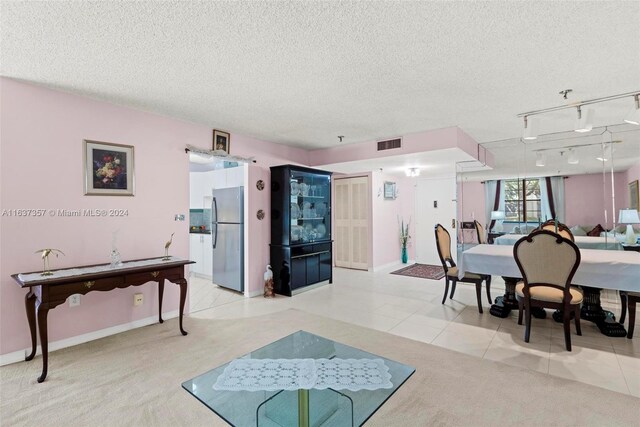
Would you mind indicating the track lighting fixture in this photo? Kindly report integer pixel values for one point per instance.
(540, 159)
(633, 117)
(585, 120)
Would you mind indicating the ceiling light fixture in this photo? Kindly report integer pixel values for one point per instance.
(412, 172)
(540, 159)
(573, 157)
(530, 128)
(633, 117)
(606, 152)
(585, 121)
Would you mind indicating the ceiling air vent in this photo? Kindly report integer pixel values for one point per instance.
(389, 144)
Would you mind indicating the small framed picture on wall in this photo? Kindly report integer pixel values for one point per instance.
(389, 190)
(221, 140)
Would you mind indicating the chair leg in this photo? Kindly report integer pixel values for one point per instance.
(567, 329)
(623, 303)
(527, 327)
(632, 317)
(520, 310)
(577, 320)
(479, 295)
(488, 282)
(446, 289)
(453, 288)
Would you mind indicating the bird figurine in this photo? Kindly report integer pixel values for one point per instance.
(166, 248)
(45, 259)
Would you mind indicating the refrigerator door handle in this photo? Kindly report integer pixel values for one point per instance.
(214, 209)
(215, 234)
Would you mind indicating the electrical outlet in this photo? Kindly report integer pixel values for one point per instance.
(74, 300)
(137, 299)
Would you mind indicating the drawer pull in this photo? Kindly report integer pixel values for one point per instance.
(89, 283)
(155, 273)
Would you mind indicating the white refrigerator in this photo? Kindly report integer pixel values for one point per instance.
(227, 237)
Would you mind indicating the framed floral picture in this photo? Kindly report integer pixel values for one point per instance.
(634, 195)
(108, 169)
(221, 140)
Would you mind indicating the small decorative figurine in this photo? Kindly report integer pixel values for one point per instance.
(268, 283)
(45, 259)
(166, 248)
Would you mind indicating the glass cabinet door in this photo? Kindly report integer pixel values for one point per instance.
(310, 207)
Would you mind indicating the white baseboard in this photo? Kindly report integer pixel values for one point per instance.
(397, 264)
(18, 356)
(254, 293)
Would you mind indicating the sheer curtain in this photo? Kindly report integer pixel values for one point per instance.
(552, 198)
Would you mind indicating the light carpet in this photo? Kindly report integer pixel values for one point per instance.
(134, 379)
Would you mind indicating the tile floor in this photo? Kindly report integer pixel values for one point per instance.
(411, 308)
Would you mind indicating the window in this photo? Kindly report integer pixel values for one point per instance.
(522, 200)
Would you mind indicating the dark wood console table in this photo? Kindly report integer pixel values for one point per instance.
(47, 292)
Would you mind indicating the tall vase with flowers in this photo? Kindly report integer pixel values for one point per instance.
(404, 238)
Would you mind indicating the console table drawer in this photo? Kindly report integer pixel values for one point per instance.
(63, 291)
(147, 276)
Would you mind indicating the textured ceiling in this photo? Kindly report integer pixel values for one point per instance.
(301, 73)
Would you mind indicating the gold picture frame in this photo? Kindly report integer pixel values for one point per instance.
(108, 169)
(634, 195)
(221, 140)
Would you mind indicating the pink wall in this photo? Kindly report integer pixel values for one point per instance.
(385, 213)
(586, 198)
(40, 167)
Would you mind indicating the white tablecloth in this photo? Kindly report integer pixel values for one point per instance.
(583, 242)
(619, 270)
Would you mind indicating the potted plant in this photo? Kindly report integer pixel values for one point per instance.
(404, 239)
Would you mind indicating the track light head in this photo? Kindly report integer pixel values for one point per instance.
(634, 117)
(573, 157)
(530, 128)
(585, 120)
(540, 159)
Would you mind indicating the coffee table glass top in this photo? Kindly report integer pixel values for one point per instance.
(321, 383)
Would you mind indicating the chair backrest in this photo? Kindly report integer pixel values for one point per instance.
(480, 231)
(563, 230)
(443, 243)
(546, 258)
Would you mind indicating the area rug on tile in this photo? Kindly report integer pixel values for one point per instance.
(423, 271)
(134, 379)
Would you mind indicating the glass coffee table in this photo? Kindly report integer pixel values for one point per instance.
(300, 380)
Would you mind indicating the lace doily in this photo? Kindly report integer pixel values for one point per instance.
(294, 374)
(95, 269)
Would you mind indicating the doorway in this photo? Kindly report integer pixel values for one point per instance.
(351, 221)
(435, 204)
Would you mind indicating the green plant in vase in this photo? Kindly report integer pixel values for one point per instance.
(404, 239)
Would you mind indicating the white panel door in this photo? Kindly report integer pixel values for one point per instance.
(352, 222)
(428, 191)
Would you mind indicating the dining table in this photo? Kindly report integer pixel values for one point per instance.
(598, 269)
(582, 242)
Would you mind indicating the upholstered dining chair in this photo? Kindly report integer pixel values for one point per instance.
(547, 262)
(563, 230)
(443, 244)
(482, 239)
